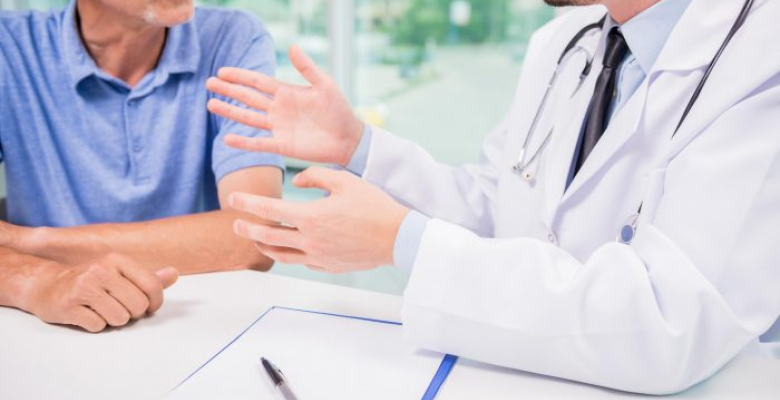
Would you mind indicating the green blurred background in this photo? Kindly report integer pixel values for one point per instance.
(440, 72)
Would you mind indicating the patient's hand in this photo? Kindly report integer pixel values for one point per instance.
(109, 292)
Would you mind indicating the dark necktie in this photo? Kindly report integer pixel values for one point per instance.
(602, 96)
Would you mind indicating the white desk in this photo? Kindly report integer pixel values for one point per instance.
(203, 313)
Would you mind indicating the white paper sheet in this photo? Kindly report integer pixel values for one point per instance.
(323, 357)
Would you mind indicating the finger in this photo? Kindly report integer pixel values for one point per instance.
(128, 295)
(87, 319)
(147, 282)
(241, 115)
(320, 178)
(259, 81)
(168, 276)
(279, 236)
(284, 255)
(267, 208)
(110, 310)
(243, 94)
(308, 69)
(259, 144)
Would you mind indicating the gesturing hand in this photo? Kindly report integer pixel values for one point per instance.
(352, 229)
(312, 123)
(112, 292)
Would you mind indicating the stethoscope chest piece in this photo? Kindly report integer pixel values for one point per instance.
(627, 234)
(524, 171)
(628, 231)
(525, 174)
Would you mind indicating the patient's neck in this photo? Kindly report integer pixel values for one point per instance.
(123, 47)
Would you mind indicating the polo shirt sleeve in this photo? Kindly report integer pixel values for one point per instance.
(260, 56)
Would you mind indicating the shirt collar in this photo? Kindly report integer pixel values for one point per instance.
(647, 33)
(180, 55)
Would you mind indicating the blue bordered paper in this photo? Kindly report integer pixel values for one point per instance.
(447, 363)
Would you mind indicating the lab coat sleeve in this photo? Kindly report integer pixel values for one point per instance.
(463, 195)
(357, 164)
(699, 282)
(412, 176)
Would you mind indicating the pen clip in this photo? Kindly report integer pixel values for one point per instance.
(276, 375)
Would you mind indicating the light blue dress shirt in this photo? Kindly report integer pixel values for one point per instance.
(646, 35)
(82, 147)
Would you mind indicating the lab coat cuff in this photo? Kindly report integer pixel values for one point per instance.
(407, 242)
(357, 165)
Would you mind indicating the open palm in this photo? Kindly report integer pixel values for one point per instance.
(312, 123)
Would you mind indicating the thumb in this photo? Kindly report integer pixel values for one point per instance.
(304, 64)
(167, 276)
(319, 178)
(326, 179)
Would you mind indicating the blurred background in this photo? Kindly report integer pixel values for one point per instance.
(439, 72)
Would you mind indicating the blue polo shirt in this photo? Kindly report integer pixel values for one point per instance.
(81, 147)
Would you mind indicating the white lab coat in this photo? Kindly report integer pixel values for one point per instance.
(530, 276)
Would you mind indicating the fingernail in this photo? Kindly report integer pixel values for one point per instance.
(236, 201)
(234, 140)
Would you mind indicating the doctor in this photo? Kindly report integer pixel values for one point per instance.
(539, 257)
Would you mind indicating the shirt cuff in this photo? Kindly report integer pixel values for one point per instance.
(407, 242)
(357, 165)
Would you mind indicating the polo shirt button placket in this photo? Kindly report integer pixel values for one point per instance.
(137, 146)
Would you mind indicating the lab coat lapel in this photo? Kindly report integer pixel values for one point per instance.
(698, 35)
(691, 46)
(622, 127)
(724, 87)
(562, 148)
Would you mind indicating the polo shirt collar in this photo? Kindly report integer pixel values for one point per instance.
(182, 50)
(181, 54)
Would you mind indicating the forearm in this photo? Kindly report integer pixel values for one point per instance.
(192, 244)
(18, 275)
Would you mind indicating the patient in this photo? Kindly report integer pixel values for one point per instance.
(116, 173)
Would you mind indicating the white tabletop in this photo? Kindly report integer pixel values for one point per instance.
(203, 313)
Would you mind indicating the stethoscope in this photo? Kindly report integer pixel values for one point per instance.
(522, 167)
(525, 161)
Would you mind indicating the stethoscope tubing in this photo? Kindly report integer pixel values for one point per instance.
(628, 232)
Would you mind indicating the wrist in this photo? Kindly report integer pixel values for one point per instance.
(353, 141)
(397, 220)
(34, 283)
(32, 241)
(9, 235)
(68, 246)
(25, 279)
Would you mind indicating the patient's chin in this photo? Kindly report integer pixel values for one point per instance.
(169, 15)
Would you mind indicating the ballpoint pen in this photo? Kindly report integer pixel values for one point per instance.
(277, 377)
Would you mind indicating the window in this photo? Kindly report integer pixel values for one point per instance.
(440, 72)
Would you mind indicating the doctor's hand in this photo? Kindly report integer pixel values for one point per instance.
(312, 123)
(352, 229)
(110, 292)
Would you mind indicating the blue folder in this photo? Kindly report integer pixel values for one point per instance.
(447, 363)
